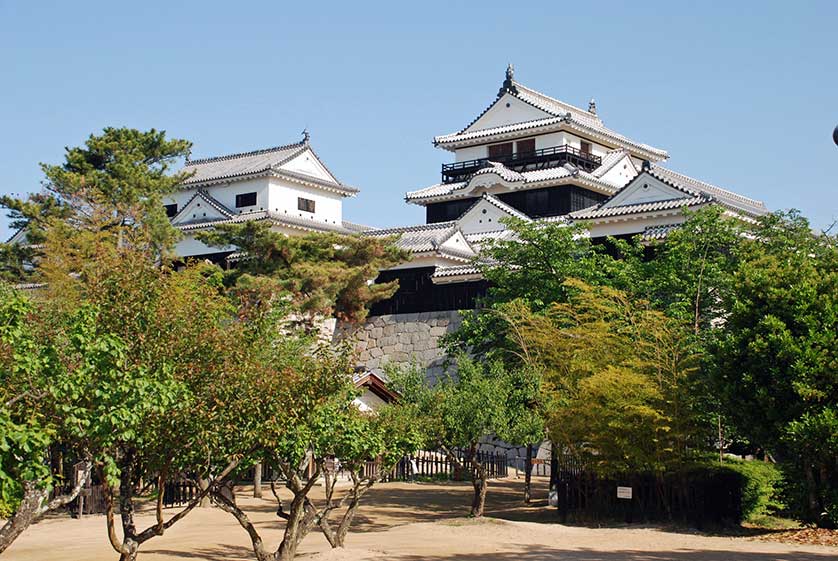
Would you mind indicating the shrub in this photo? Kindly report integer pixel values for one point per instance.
(762, 489)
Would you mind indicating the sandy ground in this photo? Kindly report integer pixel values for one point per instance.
(411, 522)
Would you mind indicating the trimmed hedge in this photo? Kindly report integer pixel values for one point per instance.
(700, 494)
(761, 495)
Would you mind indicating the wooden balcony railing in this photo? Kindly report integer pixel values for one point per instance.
(552, 156)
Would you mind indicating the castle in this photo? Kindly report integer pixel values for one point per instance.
(526, 155)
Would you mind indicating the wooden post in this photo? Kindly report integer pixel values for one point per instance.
(257, 481)
(528, 475)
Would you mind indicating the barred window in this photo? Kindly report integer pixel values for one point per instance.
(305, 204)
(245, 199)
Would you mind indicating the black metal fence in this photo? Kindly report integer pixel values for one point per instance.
(437, 465)
(698, 496)
(178, 492)
(421, 465)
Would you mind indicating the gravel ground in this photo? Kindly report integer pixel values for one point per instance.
(413, 522)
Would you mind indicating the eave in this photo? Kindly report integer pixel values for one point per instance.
(543, 126)
(580, 180)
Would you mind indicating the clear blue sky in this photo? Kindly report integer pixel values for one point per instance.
(742, 94)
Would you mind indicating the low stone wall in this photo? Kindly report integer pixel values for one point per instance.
(402, 339)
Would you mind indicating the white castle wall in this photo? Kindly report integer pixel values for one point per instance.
(402, 339)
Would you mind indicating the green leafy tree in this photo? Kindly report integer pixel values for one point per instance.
(116, 183)
(690, 274)
(618, 378)
(297, 400)
(368, 446)
(29, 423)
(326, 274)
(776, 355)
(31, 216)
(169, 337)
(480, 401)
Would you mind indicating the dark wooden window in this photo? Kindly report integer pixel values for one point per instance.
(496, 150)
(551, 201)
(449, 210)
(245, 199)
(585, 147)
(525, 146)
(305, 204)
(171, 210)
(418, 293)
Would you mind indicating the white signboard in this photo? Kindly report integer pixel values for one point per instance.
(623, 492)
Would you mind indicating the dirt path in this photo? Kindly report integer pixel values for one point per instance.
(411, 522)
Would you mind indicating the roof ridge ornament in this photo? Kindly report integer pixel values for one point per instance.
(592, 106)
(306, 135)
(509, 83)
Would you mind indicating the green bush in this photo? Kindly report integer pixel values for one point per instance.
(8, 507)
(763, 487)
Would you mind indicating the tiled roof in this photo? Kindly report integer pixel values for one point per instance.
(358, 228)
(560, 112)
(438, 190)
(611, 159)
(530, 178)
(456, 271)
(555, 106)
(480, 237)
(501, 170)
(503, 206)
(237, 165)
(20, 232)
(597, 211)
(422, 237)
(282, 219)
(658, 232)
(425, 238)
(725, 197)
(255, 163)
(209, 200)
(30, 286)
(696, 192)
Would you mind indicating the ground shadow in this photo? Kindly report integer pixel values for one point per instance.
(209, 553)
(544, 553)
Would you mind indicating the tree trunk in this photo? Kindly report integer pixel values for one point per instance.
(25, 515)
(33, 506)
(812, 492)
(343, 529)
(130, 555)
(528, 475)
(480, 488)
(256, 540)
(257, 481)
(205, 501)
(291, 539)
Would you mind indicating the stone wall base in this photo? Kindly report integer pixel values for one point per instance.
(402, 339)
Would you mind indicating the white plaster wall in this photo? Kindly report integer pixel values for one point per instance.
(189, 246)
(500, 115)
(630, 227)
(308, 164)
(368, 402)
(623, 172)
(430, 261)
(471, 153)
(225, 194)
(283, 200)
(645, 189)
(562, 137)
(541, 141)
(484, 217)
